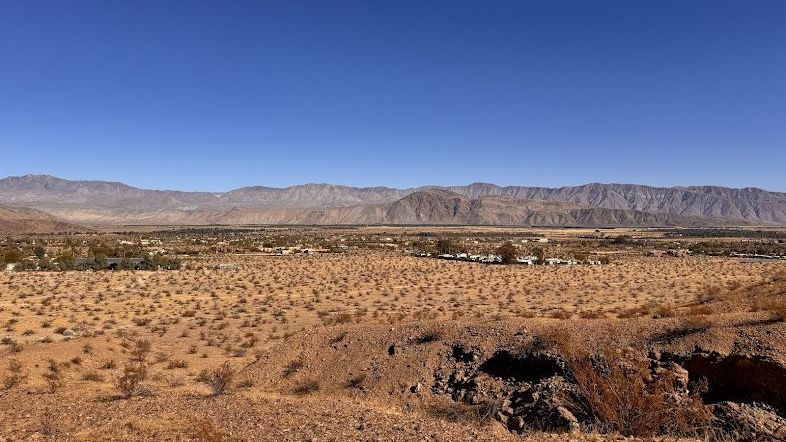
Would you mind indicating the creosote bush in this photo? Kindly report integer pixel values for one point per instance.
(218, 379)
(16, 375)
(53, 376)
(307, 386)
(135, 370)
(130, 381)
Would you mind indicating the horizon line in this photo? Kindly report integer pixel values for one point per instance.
(423, 186)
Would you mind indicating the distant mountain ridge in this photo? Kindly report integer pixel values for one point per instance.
(479, 203)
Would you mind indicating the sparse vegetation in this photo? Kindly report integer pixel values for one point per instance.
(148, 333)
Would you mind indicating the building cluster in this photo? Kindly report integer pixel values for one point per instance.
(497, 259)
(292, 250)
(756, 256)
(677, 253)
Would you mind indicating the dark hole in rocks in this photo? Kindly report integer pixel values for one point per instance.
(463, 354)
(738, 378)
(531, 367)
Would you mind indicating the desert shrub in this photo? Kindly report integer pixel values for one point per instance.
(53, 376)
(700, 310)
(176, 363)
(590, 314)
(775, 305)
(635, 312)
(619, 395)
(93, 376)
(142, 321)
(708, 294)
(48, 425)
(218, 379)
(482, 413)
(16, 375)
(431, 335)
(558, 339)
(341, 318)
(561, 314)
(665, 311)
(245, 383)
(292, 368)
(694, 323)
(308, 386)
(338, 338)
(356, 382)
(140, 351)
(130, 381)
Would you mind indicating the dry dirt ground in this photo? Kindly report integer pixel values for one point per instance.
(360, 346)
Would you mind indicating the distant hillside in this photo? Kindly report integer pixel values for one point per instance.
(588, 205)
(748, 204)
(439, 206)
(433, 206)
(16, 220)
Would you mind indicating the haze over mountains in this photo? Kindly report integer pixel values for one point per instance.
(592, 205)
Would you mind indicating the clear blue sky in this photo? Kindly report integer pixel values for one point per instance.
(216, 95)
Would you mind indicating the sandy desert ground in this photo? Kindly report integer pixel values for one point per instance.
(359, 345)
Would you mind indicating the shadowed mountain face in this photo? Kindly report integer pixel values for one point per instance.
(588, 205)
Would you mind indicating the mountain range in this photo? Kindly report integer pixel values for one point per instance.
(591, 205)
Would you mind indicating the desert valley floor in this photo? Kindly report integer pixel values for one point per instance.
(376, 344)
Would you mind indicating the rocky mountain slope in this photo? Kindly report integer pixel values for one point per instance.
(750, 204)
(479, 203)
(433, 206)
(24, 220)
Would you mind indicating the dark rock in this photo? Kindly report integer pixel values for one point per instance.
(463, 354)
(516, 423)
